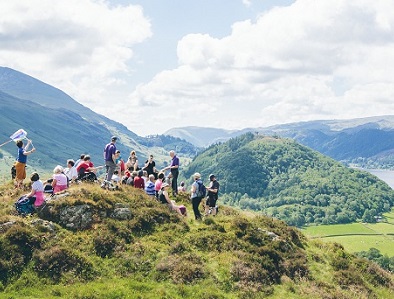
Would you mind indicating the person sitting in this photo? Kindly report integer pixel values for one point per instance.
(71, 171)
(159, 183)
(182, 188)
(165, 199)
(163, 194)
(145, 176)
(180, 209)
(60, 180)
(115, 177)
(132, 162)
(150, 186)
(139, 181)
(37, 190)
(81, 157)
(120, 164)
(150, 166)
(86, 170)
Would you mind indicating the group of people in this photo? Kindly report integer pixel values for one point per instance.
(155, 183)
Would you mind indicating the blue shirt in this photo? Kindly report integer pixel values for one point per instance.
(22, 158)
(150, 188)
(175, 161)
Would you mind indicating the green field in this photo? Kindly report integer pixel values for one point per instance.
(358, 236)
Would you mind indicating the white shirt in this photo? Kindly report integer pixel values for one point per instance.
(71, 173)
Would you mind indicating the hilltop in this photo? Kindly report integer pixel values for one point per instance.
(123, 244)
(283, 178)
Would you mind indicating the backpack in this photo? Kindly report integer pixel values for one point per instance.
(24, 205)
(13, 172)
(202, 190)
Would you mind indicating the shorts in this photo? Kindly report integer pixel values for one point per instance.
(211, 202)
(20, 170)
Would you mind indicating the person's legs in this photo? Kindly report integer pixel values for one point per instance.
(196, 202)
(174, 184)
(111, 166)
(20, 174)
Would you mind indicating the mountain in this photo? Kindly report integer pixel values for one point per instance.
(365, 141)
(61, 128)
(291, 182)
(203, 137)
(100, 244)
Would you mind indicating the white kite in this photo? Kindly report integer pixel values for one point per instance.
(18, 135)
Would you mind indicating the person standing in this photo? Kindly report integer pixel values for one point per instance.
(110, 158)
(174, 168)
(196, 199)
(213, 189)
(21, 161)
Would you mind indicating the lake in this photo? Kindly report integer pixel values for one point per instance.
(384, 175)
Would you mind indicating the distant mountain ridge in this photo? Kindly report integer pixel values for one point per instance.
(351, 140)
(62, 128)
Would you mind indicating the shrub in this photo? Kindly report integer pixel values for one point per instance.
(178, 247)
(121, 230)
(12, 261)
(374, 274)
(240, 225)
(181, 269)
(104, 243)
(208, 240)
(56, 261)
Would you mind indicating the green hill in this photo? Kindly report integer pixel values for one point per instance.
(291, 182)
(122, 244)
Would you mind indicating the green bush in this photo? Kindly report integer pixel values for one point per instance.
(104, 243)
(57, 261)
(181, 269)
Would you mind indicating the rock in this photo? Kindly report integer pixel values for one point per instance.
(5, 226)
(44, 225)
(121, 213)
(76, 217)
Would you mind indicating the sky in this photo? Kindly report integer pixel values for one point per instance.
(154, 65)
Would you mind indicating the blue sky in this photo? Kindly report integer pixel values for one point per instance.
(154, 65)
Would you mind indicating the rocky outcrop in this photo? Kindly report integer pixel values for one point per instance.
(77, 217)
(121, 212)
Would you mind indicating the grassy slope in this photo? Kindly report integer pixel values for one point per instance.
(160, 255)
(358, 236)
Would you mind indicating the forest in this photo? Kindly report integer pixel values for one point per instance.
(289, 181)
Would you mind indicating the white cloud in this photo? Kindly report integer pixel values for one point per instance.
(311, 60)
(80, 46)
(247, 3)
(314, 59)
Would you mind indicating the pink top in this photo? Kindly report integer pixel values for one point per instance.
(61, 182)
(158, 184)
